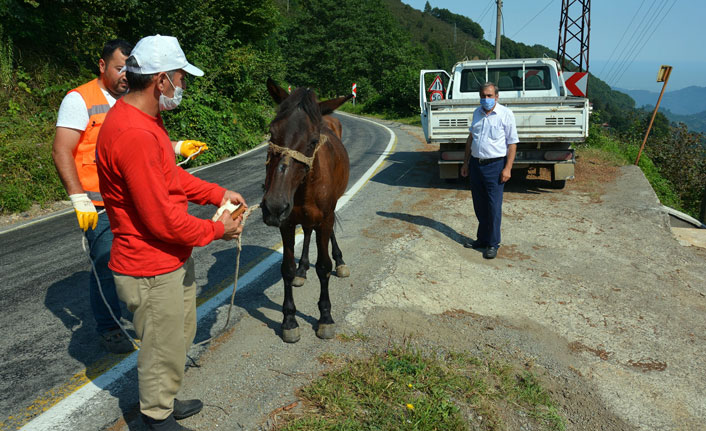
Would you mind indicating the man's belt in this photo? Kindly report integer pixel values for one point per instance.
(488, 161)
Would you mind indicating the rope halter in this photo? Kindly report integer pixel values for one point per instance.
(296, 155)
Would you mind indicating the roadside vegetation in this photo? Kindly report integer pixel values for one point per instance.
(407, 389)
(673, 160)
(48, 48)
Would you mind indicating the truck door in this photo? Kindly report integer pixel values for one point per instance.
(423, 102)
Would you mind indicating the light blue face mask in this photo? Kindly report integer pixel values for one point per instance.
(487, 104)
(169, 103)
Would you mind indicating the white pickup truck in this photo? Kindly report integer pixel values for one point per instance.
(548, 121)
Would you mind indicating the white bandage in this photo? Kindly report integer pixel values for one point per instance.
(227, 206)
(177, 148)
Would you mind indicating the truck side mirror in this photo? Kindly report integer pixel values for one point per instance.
(562, 91)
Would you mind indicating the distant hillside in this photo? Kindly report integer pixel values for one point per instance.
(687, 101)
(695, 122)
(444, 44)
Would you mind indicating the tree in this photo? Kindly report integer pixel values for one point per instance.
(331, 44)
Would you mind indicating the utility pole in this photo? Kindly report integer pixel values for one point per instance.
(498, 26)
(662, 76)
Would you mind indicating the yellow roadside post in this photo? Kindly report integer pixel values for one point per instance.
(662, 76)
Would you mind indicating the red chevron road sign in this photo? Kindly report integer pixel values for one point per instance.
(576, 83)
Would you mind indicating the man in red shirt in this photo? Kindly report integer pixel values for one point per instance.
(146, 197)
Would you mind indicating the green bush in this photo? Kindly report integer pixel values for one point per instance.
(28, 176)
(234, 42)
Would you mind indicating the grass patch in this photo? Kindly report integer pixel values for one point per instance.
(403, 389)
(357, 336)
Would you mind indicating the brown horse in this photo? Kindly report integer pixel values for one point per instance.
(342, 270)
(306, 174)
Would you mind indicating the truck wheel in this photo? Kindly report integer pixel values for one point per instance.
(558, 184)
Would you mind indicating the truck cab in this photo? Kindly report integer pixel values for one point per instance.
(548, 121)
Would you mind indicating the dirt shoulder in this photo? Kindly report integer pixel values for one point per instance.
(590, 290)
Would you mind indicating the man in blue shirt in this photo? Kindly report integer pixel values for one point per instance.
(490, 152)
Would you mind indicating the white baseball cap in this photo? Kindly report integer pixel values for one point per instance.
(160, 54)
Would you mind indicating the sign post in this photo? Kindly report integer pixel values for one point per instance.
(354, 90)
(662, 76)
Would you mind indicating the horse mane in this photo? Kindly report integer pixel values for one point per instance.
(301, 98)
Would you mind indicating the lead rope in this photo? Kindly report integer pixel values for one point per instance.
(100, 287)
(238, 244)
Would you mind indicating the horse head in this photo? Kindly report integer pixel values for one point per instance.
(295, 137)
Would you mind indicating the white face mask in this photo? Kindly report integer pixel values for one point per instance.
(169, 103)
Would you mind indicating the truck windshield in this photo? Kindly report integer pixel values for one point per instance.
(507, 78)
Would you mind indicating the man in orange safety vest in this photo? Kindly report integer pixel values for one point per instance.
(79, 120)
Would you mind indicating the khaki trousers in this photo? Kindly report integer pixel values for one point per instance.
(164, 315)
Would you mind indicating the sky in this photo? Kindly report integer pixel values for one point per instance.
(629, 39)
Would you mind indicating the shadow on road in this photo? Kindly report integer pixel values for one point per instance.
(419, 220)
(68, 300)
(253, 300)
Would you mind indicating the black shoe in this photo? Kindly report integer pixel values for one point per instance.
(116, 342)
(168, 424)
(186, 408)
(490, 252)
(475, 244)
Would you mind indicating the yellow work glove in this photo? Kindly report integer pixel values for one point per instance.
(190, 147)
(85, 211)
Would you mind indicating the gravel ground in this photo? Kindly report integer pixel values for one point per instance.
(590, 290)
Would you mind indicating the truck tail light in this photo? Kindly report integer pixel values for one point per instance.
(452, 155)
(558, 155)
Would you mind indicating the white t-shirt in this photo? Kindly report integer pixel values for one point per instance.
(73, 113)
(492, 133)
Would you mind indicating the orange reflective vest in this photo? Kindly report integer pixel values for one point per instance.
(85, 151)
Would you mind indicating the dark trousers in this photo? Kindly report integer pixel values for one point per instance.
(100, 240)
(487, 193)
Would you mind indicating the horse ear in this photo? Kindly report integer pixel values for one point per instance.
(329, 106)
(278, 93)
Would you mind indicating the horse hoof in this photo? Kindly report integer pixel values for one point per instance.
(291, 335)
(298, 281)
(326, 331)
(342, 271)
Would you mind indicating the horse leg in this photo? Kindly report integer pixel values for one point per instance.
(326, 329)
(290, 328)
(342, 270)
(303, 267)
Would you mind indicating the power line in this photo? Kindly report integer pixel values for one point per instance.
(487, 9)
(622, 66)
(623, 53)
(637, 28)
(637, 52)
(532, 19)
(621, 38)
(636, 42)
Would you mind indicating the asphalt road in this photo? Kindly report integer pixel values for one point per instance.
(49, 340)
